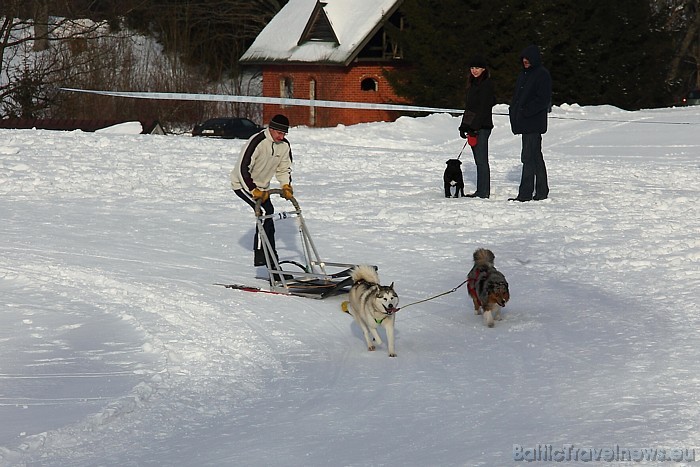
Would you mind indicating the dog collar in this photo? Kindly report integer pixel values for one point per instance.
(387, 314)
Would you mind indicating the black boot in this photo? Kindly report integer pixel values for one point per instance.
(259, 259)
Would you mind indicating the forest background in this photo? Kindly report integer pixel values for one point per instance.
(630, 54)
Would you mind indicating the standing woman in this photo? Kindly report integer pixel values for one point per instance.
(477, 121)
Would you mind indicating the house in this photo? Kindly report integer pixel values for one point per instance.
(336, 50)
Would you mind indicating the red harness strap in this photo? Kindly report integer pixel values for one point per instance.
(471, 281)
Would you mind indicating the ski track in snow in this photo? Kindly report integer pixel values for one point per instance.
(115, 333)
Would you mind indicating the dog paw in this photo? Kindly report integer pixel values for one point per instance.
(371, 348)
(490, 324)
(392, 355)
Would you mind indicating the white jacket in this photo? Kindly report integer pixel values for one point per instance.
(261, 159)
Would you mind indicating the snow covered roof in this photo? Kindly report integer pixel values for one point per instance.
(310, 31)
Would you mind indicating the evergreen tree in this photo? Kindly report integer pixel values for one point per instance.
(612, 55)
(435, 45)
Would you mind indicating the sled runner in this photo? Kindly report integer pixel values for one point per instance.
(310, 277)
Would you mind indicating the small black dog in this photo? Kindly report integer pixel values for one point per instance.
(453, 176)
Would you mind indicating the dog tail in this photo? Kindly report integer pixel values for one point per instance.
(365, 273)
(483, 256)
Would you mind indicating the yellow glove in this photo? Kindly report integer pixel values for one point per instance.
(260, 194)
(287, 191)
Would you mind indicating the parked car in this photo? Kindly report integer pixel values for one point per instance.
(227, 127)
(693, 98)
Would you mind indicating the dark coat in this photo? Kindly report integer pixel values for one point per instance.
(478, 104)
(532, 97)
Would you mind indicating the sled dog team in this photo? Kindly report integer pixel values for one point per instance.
(374, 305)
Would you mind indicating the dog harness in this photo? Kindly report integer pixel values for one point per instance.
(471, 286)
(387, 314)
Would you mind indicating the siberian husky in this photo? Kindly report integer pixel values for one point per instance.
(372, 305)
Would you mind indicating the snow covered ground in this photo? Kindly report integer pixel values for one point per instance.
(116, 349)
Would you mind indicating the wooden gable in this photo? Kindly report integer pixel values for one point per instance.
(319, 27)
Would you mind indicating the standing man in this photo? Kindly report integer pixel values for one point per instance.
(528, 116)
(266, 154)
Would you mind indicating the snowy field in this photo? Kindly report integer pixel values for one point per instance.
(116, 349)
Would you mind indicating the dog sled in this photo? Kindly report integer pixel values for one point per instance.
(311, 276)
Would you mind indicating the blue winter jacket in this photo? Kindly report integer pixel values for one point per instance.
(532, 97)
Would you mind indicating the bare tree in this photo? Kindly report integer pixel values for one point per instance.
(41, 53)
(682, 18)
(49, 44)
(28, 63)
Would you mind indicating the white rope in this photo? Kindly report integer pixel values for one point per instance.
(332, 104)
(266, 100)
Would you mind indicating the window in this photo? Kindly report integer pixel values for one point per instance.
(312, 97)
(287, 87)
(369, 84)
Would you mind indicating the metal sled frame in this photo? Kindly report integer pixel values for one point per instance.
(318, 278)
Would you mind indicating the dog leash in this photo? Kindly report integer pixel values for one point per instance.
(454, 289)
(460, 152)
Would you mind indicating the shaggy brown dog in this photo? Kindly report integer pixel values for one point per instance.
(487, 287)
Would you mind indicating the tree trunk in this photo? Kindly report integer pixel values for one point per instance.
(41, 26)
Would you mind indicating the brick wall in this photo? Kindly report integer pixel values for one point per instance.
(334, 83)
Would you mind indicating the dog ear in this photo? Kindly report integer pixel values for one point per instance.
(391, 286)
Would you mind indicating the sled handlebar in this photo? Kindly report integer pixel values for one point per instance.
(275, 191)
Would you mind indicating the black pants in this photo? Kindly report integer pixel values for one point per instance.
(268, 224)
(534, 176)
(481, 159)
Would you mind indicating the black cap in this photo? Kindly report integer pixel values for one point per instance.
(280, 123)
(478, 61)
